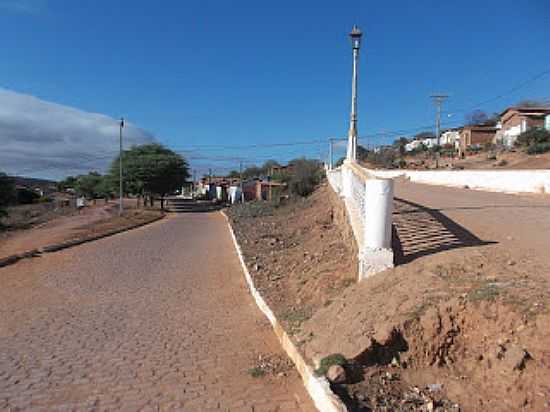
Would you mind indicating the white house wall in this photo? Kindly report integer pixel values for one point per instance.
(510, 135)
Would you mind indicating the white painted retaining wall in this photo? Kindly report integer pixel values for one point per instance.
(508, 181)
(369, 205)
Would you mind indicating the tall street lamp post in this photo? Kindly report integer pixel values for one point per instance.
(355, 36)
(120, 207)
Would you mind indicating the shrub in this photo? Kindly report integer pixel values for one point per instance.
(252, 209)
(532, 137)
(384, 157)
(420, 149)
(448, 150)
(306, 176)
(256, 372)
(328, 361)
(401, 163)
(474, 149)
(435, 149)
(538, 148)
(26, 196)
(502, 162)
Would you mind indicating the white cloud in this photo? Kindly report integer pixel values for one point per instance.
(43, 139)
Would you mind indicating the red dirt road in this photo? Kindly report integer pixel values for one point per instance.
(157, 318)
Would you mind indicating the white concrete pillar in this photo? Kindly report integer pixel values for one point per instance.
(378, 213)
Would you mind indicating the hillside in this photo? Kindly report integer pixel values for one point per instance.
(33, 182)
(463, 329)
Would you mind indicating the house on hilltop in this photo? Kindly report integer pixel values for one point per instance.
(475, 136)
(516, 120)
(450, 137)
(417, 143)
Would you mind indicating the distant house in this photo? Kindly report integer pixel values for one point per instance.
(413, 145)
(220, 180)
(450, 137)
(475, 136)
(417, 143)
(259, 189)
(429, 142)
(516, 120)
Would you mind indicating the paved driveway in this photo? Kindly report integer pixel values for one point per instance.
(157, 318)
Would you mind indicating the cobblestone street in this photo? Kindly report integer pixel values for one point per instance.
(157, 318)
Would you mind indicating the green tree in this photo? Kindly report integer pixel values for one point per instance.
(104, 188)
(234, 174)
(89, 185)
(150, 169)
(252, 171)
(268, 165)
(476, 117)
(7, 193)
(68, 183)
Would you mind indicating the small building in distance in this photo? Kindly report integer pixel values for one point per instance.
(416, 143)
(451, 137)
(516, 120)
(475, 136)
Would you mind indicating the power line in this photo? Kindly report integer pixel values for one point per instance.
(249, 146)
(508, 92)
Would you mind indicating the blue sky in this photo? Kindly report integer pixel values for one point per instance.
(199, 75)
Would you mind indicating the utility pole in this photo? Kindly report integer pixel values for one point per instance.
(120, 207)
(241, 180)
(194, 182)
(269, 180)
(330, 161)
(210, 183)
(438, 100)
(355, 36)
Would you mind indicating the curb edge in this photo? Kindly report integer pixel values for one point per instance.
(318, 388)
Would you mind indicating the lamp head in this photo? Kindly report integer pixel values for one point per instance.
(355, 37)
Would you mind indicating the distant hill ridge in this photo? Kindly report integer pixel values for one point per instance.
(33, 182)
